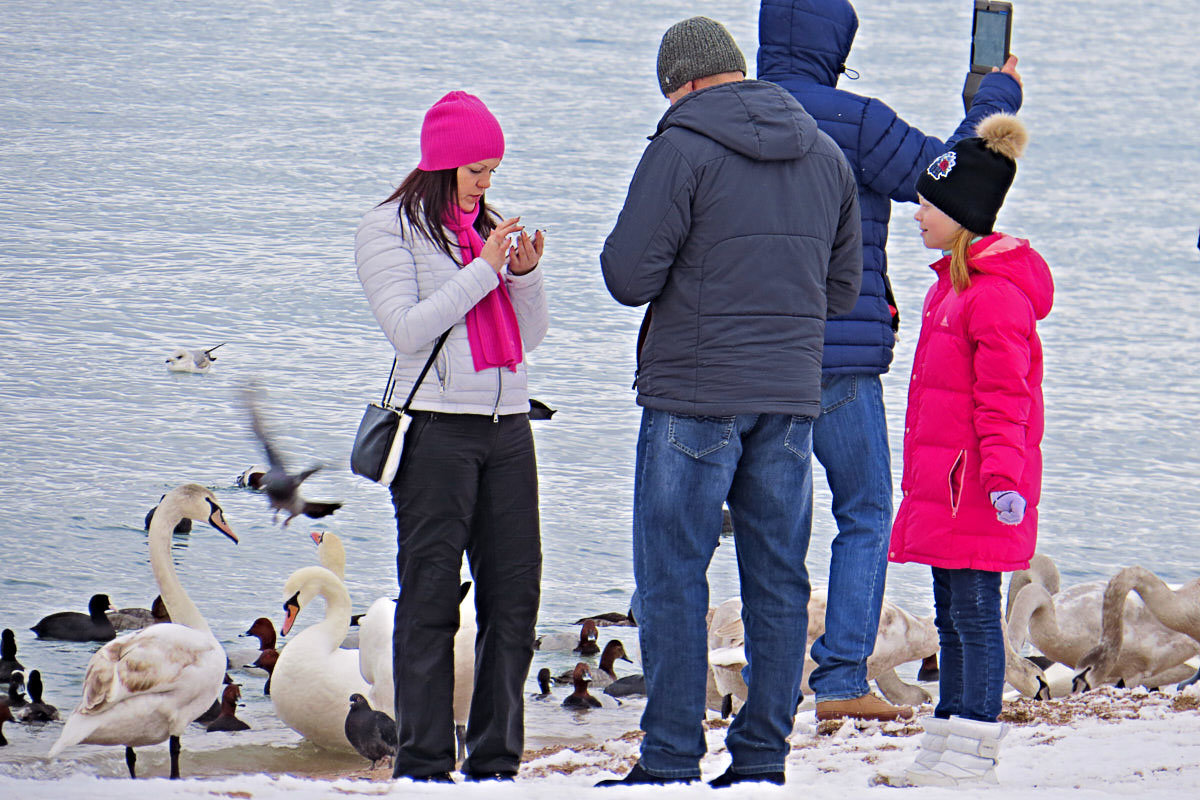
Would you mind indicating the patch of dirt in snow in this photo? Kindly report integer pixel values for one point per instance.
(1106, 703)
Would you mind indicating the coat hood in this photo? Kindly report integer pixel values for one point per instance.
(1013, 259)
(807, 39)
(746, 117)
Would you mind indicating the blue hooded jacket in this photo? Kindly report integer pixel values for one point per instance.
(803, 46)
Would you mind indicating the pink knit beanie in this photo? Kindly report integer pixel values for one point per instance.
(459, 130)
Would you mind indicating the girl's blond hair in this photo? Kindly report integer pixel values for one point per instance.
(1004, 135)
(960, 266)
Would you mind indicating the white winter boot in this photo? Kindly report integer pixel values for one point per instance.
(932, 745)
(969, 755)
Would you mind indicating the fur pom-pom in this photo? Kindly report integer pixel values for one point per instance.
(1004, 134)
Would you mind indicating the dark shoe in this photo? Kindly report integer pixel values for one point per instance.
(437, 777)
(489, 776)
(729, 778)
(639, 775)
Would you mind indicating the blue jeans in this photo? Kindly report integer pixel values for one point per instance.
(850, 440)
(966, 610)
(686, 468)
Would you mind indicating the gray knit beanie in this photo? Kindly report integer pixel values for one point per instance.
(696, 48)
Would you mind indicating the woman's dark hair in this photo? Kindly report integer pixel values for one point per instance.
(424, 198)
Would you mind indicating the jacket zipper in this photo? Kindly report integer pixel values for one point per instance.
(496, 407)
(960, 467)
(443, 376)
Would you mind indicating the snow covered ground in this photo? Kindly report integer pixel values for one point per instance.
(1109, 742)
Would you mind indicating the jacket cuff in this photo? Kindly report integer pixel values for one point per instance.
(531, 278)
(998, 483)
(482, 271)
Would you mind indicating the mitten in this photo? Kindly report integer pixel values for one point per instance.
(1009, 505)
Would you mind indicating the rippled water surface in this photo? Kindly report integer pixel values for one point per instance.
(192, 174)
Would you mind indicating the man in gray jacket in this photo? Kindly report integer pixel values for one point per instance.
(742, 231)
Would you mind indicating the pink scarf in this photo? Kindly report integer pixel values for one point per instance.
(492, 328)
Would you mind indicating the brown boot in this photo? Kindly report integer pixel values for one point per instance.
(866, 707)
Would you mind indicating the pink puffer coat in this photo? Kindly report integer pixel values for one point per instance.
(975, 416)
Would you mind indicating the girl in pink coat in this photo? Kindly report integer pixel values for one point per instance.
(973, 430)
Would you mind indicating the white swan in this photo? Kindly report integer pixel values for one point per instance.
(375, 659)
(1152, 653)
(901, 637)
(146, 686)
(375, 654)
(1066, 625)
(464, 667)
(314, 677)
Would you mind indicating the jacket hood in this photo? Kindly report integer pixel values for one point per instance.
(1015, 260)
(808, 39)
(756, 119)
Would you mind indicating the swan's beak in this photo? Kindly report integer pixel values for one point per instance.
(217, 520)
(317, 536)
(291, 609)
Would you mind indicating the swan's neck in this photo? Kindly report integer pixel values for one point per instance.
(179, 605)
(1029, 599)
(337, 609)
(332, 556)
(1178, 609)
(1017, 670)
(1016, 583)
(1044, 571)
(1112, 613)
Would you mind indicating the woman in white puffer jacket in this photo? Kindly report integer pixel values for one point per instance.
(433, 257)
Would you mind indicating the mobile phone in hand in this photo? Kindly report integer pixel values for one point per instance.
(991, 40)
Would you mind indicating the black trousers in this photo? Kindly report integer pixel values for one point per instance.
(465, 484)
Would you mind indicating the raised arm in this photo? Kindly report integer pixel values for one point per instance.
(893, 153)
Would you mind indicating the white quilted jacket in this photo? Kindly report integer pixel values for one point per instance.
(416, 292)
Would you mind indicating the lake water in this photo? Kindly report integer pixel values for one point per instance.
(193, 173)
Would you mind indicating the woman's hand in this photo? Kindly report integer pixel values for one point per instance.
(527, 252)
(495, 249)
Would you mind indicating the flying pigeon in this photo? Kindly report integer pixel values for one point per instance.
(281, 488)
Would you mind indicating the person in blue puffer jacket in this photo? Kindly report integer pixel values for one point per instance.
(803, 46)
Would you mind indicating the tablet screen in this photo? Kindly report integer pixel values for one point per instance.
(990, 33)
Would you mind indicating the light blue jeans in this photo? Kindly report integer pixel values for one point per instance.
(686, 468)
(850, 440)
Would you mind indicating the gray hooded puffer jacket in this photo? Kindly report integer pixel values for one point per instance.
(416, 292)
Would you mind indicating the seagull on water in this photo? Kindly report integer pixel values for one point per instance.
(184, 360)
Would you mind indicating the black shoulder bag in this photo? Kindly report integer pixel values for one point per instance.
(380, 438)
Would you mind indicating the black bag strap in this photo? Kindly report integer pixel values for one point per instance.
(391, 384)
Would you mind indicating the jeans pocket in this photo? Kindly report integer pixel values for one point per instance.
(845, 392)
(799, 437)
(699, 436)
